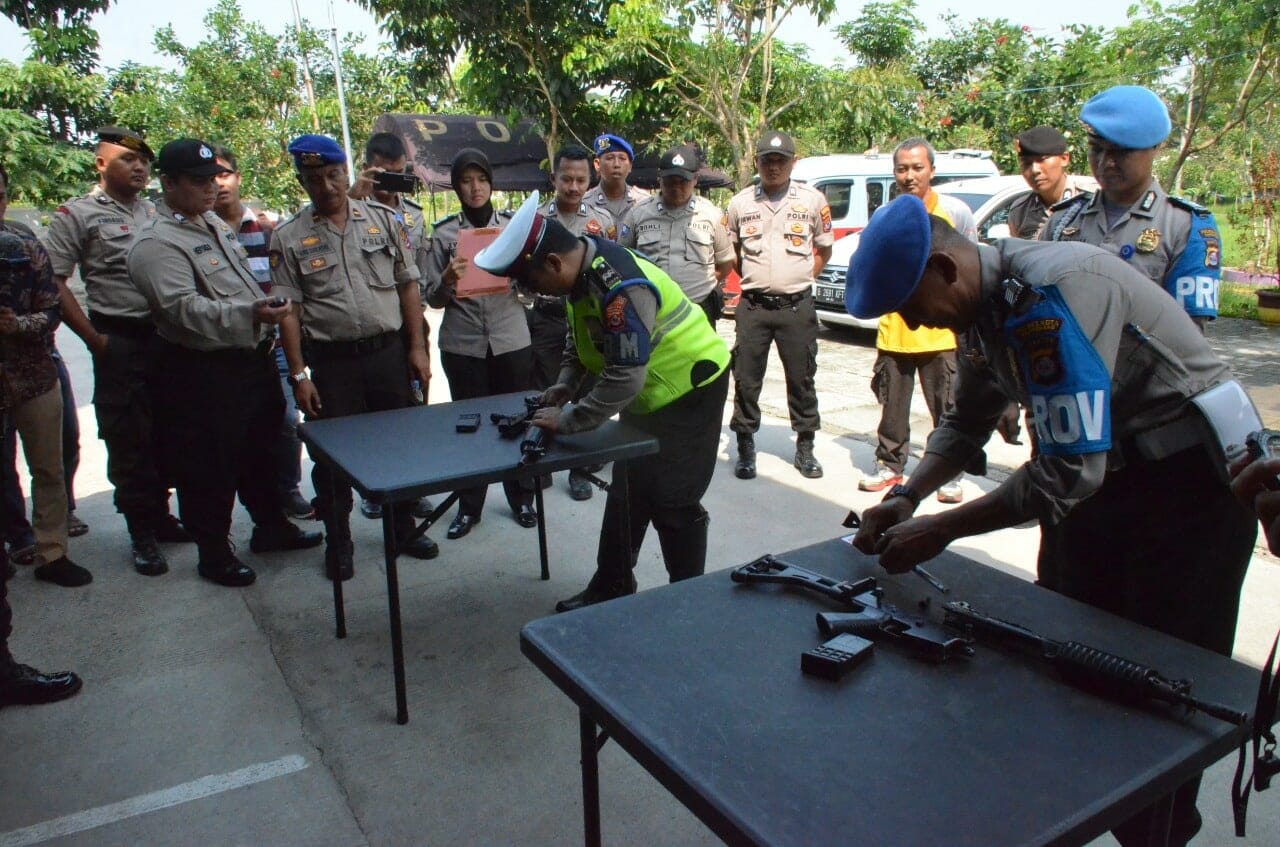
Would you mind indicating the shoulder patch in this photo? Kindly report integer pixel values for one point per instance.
(1066, 380)
(625, 341)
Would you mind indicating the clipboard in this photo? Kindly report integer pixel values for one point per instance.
(476, 282)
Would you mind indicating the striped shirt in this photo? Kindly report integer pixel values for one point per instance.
(256, 240)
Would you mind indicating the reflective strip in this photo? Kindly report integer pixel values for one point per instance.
(678, 314)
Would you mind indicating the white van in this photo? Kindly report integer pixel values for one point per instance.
(857, 185)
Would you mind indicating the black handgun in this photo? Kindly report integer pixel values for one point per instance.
(533, 446)
(1088, 667)
(869, 615)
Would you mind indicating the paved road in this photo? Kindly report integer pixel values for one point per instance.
(219, 716)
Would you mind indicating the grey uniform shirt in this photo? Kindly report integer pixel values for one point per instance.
(347, 282)
(472, 326)
(1154, 354)
(775, 241)
(196, 277)
(617, 209)
(1028, 214)
(588, 220)
(687, 242)
(96, 231)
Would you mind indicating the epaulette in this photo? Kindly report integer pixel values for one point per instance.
(286, 221)
(446, 219)
(411, 202)
(369, 201)
(1067, 202)
(1190, 205)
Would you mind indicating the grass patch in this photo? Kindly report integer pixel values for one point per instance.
(1237, 301)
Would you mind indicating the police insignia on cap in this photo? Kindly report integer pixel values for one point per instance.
(310, 160)
(126, 141)
(775, 142)
(1148, 241)
(677, 160)
(205, 152)
(602, 144)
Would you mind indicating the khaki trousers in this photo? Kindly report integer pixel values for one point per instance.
(39, 425)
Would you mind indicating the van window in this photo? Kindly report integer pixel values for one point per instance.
(875, 196)
(837, 194)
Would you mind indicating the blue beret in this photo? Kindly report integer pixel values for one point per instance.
(1127, 116)
(613, 144)
(890, 259)
(309, 151)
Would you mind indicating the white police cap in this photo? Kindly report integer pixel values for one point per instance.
(511, 252)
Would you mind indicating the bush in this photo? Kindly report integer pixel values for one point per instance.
(1237, 301)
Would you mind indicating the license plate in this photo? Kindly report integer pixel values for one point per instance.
(830, 295)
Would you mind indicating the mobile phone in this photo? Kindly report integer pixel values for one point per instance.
(405, 183)
(277, 302)
(1264, 444)
(468, 423)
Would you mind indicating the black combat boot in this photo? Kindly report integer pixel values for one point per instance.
(746, 467)
(805, 461)
(147, 558)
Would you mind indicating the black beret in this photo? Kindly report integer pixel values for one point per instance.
(1041, 141)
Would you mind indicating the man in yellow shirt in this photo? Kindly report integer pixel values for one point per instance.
(902, 352)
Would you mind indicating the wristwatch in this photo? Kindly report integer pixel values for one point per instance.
(907, 491)
(294, 379)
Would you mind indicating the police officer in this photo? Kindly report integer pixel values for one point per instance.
(571, 174)
(218, 397)
(1043, 160)
(670, 384)
(357, 321)
(96, 232)
(781, 232)
(1109, 366)
(682, 233)
(484, 340)
(385, 152)
(613, 162)
(1171, 241)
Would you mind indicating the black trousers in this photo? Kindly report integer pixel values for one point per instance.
(1164, 544)
(352, 383)
(546, 344)
(795, 331)
(665, 489)
(218, 418)
(892, 381)
(122, 401)
(6, 613)
(471, 376)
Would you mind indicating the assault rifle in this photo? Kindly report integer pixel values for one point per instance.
(869, 615)
(1088, 667)
(533, 446)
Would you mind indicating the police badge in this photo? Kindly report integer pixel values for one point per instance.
(1148, 241)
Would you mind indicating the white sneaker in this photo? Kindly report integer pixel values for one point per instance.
(882, 478)
(950, 492)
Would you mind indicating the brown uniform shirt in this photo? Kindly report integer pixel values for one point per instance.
(95, 232)
(775, 241)
(687, 242)
(346, 281)
(619, 208)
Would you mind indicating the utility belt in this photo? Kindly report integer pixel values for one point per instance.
(346, 349)
(168, 349)
(136, 328)
(1161, 442)
(773, 302)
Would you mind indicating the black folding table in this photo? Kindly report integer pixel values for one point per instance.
(700, 682)
(396, 457)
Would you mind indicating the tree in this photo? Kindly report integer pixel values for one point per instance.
(1229, 62)
(731, 83)
(883, 34)
(41, 172)
(60, 32)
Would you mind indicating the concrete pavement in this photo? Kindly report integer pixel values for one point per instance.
(220, 716)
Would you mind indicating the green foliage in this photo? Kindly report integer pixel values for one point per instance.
(42, 172)
(883, 34)
(1237, 301)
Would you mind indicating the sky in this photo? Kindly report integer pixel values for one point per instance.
(125, 30)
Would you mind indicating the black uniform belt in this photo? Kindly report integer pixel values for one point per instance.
(358, 347)
(128, 327)
(774, 301)
(1163, 441)
(167, 348)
